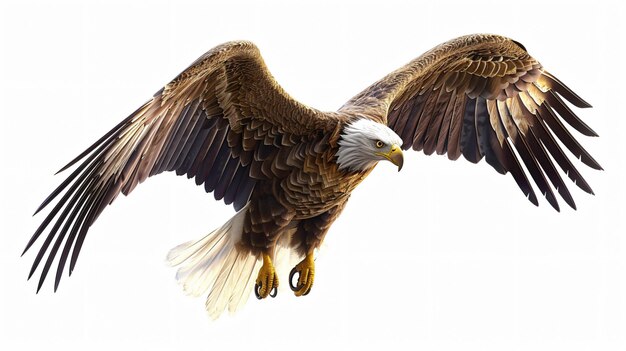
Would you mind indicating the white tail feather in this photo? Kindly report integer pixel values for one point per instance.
(215, 264)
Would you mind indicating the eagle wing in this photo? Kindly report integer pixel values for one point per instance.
(484, 96)
(217, 122)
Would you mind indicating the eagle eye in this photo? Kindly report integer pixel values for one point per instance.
(379, 144)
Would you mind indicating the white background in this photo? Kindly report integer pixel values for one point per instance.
(443, 255)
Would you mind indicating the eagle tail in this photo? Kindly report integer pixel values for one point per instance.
(215, 264)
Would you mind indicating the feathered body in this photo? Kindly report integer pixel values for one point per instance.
(289, 169)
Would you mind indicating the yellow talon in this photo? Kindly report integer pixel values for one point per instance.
(306, 275)
(267, 280)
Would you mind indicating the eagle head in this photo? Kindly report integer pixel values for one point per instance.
(364, 142)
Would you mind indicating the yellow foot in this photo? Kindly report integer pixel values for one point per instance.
(306, 273)
(267, 280)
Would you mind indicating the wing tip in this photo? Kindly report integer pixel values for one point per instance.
(532, 198)
(41, 207)
(590, 161)
(41, 281)
(573, 206)
(70, 164)
(552, 201)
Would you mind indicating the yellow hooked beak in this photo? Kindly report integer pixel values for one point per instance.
(394, 156)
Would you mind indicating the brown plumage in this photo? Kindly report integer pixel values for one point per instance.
(225, 122)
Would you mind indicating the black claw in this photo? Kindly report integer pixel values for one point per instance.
(307, 291)
(256, 291)
(291, 274)
(273, 292)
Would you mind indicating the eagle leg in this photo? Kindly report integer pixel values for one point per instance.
(267, 280)
(306, 275)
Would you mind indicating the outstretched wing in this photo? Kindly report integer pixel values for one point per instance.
(484, 96)
(217, 122)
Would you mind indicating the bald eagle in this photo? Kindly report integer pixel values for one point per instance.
(288, 169)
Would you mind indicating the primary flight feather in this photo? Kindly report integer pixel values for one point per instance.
(289, 169)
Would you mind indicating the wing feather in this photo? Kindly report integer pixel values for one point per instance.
(226, 177)
(434, 128)
(425, 117)
(515, 129)
(548, 167)
(503, 106)
(444, 131)
(198, 128)
(558, 154)
(211, 156)
(456, 124)
(552, 82)
(568, 139)
(214, 174)
(199, 150)
(482, 125)
(180, 139)
(193, 126)
(469, 137)
(411, 124)
(568, 115)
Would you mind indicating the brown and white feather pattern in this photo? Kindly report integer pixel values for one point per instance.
(225, 122)
(484, 96)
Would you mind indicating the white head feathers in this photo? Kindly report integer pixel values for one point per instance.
(360, 144)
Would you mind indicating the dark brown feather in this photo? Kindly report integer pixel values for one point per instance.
(547, 166)
(408, 129)
(469, 138)
(94, 206)
(74, 205)
(217, 168)
(182, 129)
(434, 128)
(226, 178)
(567, 139)
(225, 122)
(206, 165)
(564, 91)
(444, 131)
(456, 125)
(568, 115)
(197, 137)
(422, 120)
(180, 139)
(557, 153)
(479, 71)
(516, 131)
(200, 149)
